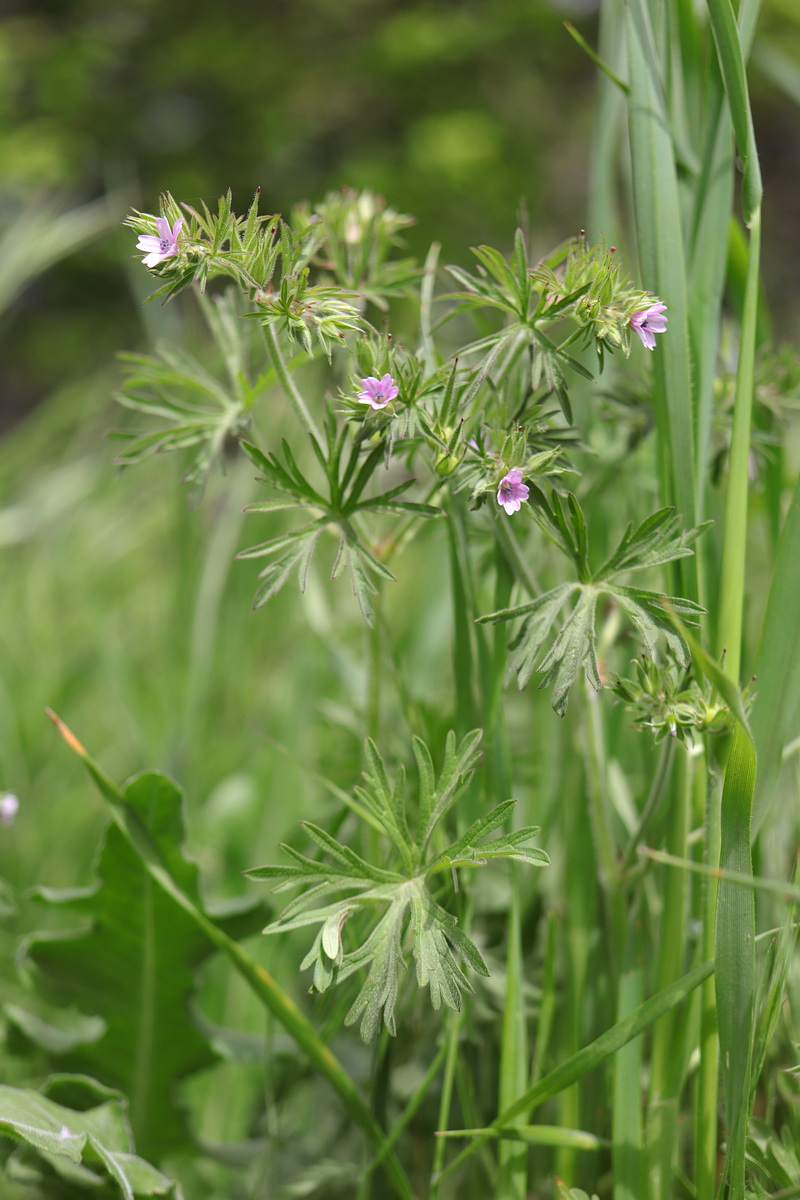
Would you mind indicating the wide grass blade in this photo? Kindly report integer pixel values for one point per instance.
(731, 589)
(774, 713)
(661, 258)
(735, 953)
(731, 62)
(708, 256)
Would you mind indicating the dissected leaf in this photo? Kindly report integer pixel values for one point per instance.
(195, 409)
(342, 505)
(655, 541)
(440, 947)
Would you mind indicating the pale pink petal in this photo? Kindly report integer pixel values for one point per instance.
(512, 491)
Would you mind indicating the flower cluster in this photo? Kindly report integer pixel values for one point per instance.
(665, 700)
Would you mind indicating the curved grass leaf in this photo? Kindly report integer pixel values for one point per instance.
(774, 716)
(661, 255)
(591, 1056)
(731, 61)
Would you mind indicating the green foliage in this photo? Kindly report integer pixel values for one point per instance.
(354, 234)
(67, 1149)
(654, 542)
(132, 963)
(215, 244)
(439, 945)
(199, 410)
(347, 472)
(574, 282)
(662, 697)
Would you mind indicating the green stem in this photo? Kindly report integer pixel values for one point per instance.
(731, 591)
(463, 617)
(663, 1101)
(205, 618)
(547, 1003)
(706, 1147)
(600, 816)
(443, 1120)
(513, 1156)
(373, 698)
(651, 804)
(289, 386)
(520, 566)
(627, 1150)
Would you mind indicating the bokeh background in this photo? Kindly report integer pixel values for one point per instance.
(458, 111)
(119, 607)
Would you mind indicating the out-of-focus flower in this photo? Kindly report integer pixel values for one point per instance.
(512, 491)
(9, 807)
(378, 392)
(162, 246)
(649, 322)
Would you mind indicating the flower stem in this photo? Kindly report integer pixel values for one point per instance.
(706, 1148)
(290, 388)
(600, 817)
(454, 1020)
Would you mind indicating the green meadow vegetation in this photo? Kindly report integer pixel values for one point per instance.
(400, 659)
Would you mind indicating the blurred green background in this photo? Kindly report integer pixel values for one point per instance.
(118, 606)
(457, 112)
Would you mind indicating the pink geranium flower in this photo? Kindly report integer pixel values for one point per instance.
(512, 491)
(649, 322)
(378, 392)
(162, 246)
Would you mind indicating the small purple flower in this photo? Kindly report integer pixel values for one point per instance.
(512, 491)
(649, 322)
(378, 392)
(162, 246)
(9, 807)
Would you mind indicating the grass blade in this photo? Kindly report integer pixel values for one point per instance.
(731, 62)
(735, 953)
(661, 256)
(512, 1182)
(778, 663)
(591, 1056)
(627, 1149)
